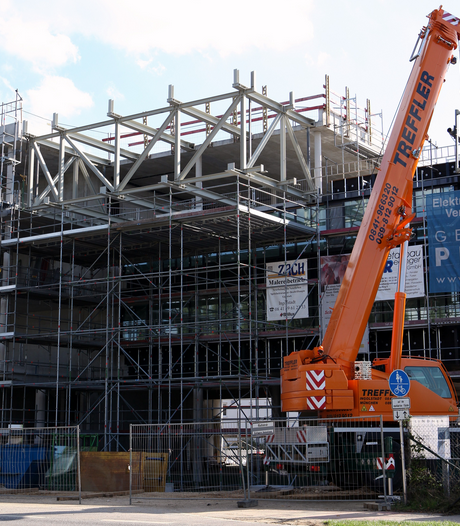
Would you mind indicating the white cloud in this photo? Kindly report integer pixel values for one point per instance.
(147, 65)
(114, 94)
(143, 64)
(323, 59)
(7, 92)
(37, 126)
(32, 40)
(42, 35)
(159, 69)
(8, 85)
(57, 95)
(199, 25)
(318, 61)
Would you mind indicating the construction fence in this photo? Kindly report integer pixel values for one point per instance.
(40, 459)
(334, 459)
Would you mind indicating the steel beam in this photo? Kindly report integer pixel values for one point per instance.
(62, 168)
(177, 144)
(264, 141)
(89, 164)
(69, 151)
(47, 190)
(31, 176)
(243, 144)
(145, 153)
(283, 149)
(300, 157)
(210, 119)
(209, 139)
(100, 145)
(76, 232)
(166, 137)
(117, 153)
(50, 181)
(279, 108)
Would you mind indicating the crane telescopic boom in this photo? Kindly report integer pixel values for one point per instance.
(384, 226)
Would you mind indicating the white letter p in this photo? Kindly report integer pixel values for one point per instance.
(441, 255)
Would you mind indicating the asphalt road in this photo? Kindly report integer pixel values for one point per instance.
(46, 510)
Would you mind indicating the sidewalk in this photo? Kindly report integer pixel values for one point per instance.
(200, 511)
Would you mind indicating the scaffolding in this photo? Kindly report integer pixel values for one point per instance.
(134, 277)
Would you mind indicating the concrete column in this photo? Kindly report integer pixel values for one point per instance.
(40, 408)
(40, 412)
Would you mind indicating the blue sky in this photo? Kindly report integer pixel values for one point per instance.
(70, 57)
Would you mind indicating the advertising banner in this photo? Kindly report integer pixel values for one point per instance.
(443, 217)
(332, 271)
(415, 283)
(287, 290)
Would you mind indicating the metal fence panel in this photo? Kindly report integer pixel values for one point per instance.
(433, 465)
(315, 459)
(187, 457)
(39, 459)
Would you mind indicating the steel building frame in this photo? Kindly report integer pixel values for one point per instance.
(133, 283)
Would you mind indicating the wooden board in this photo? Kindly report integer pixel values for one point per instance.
(154, 466)
(104, 471)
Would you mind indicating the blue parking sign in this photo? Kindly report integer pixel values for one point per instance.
(443, 218)
(399, 382)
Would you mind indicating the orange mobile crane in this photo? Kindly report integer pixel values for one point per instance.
(324, 379)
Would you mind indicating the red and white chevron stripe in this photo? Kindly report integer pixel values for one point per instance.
(315, 380)
(316, 402)
(301, 436)
(451, 19)
(267, 460)
(390, 462)
(269, 439)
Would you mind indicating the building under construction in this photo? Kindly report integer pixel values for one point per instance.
(138, 253)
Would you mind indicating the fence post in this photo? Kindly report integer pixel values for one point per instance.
(247, 502)
(240, 447)
(384, 474)
(78, 464)
(130, 463)
(403, 461)
(248, 463)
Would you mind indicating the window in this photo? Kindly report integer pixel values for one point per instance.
(430, 377)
